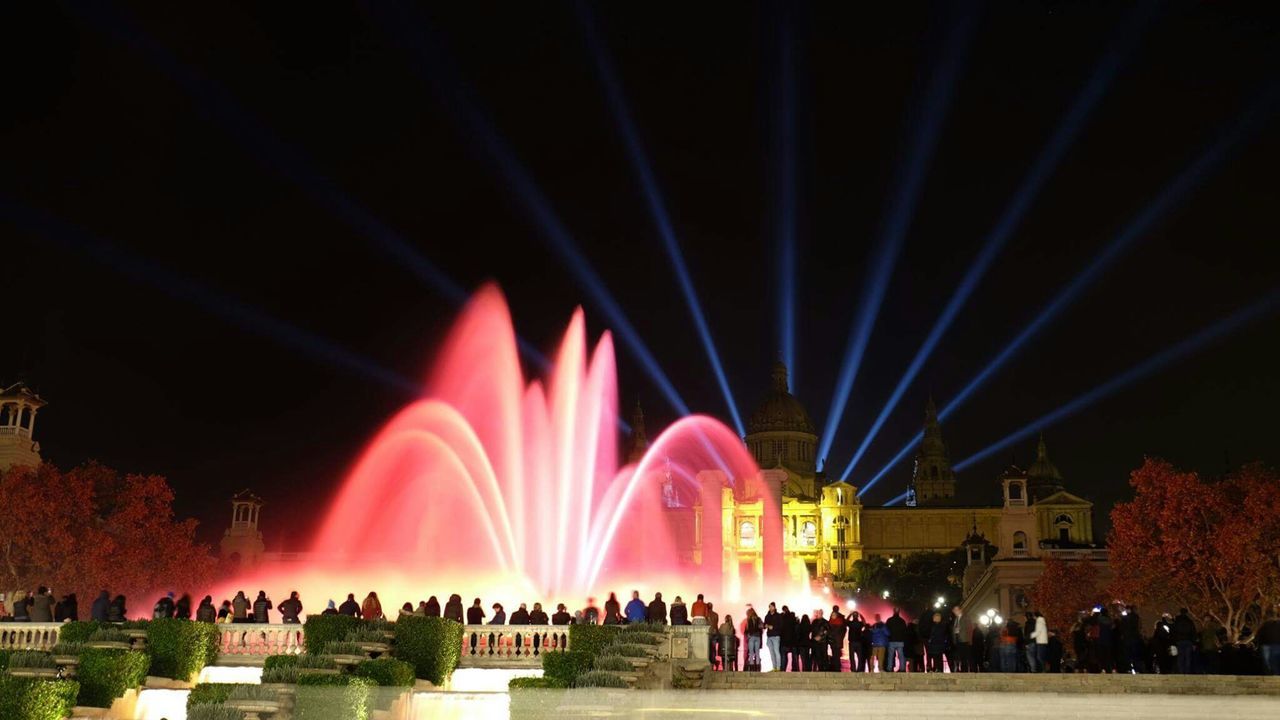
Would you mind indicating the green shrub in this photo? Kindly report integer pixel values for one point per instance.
(565, 666)
(4, 659)
(627, 650)
(208, 694)
(180, 649)
(245, 691)
(645, 627)
(342, 647)
(432, 645)
(77, 632)
(279, 661)
(591, 639)
(68, 648)
(319, 630)
(105, 675)
(332, 697)
(381, 624)
(365, 636)
(316, 662)
(612, 663)
(137, 625)
(213, 712)
(530, 683)
(34, 659)
(643, 639)
(36, 699)
(387, 672)
(109, 634)
(599, 679)
(281, 674)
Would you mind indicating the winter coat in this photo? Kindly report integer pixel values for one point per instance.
(42, 608)
(879, 635)
(475, 615)
(240, 608)
(116, 611)
(657, 612)
(636, 611)
(163, 608)
(679, 614)
(98, 611)
(68, 609)
(698, 609)
(538, 617)
(452, 609)
(351, 608)
(371, 609)
(561, 618)
(1184, 629)
(897, 628)
(961, 629)
(612, 612)
(261, 609)
(290, 610)
(1269, 633)
(937, 638)
(433, 608)
(182, 608)
(206, 612)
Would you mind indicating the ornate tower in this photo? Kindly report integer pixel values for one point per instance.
(781, 435)
(932, 480)
(1043, 478)
(18, 407)
(975, 547)
(639, 440)
(242, 542)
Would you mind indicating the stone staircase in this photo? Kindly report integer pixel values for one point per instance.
(998, 683)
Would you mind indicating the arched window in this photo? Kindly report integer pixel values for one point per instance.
(1064, 519)
(809, 534)
(1019, 542)
(1015, 491)
(747, 533)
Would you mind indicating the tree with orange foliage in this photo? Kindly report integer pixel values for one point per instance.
(1211, 547)
(1064, 589)
(92, 528)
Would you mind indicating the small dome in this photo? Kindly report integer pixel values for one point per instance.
(780, 411)
(1042, 469)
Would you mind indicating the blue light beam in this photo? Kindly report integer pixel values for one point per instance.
(1039, 174)
(220, 305)
(786, 219)
(897, 500)
(1168, 198)
(411, 32)
(289, 161)
(893, 230)
(1270, 303)
(653, 197)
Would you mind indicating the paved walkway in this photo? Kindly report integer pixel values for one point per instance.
(999, 682)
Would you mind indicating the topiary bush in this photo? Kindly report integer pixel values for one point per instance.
(642, 639)
(246, 691)
(208, 694)
(565, 666)
(591, 639)
(180, 649)
(68, 648)
(77, 632)
(213, 712)
(319, 630)
(627, 650)
(530, 683)
(599, 679)
(645, 627)
(316, 662)
(36, 699)
(432, 645)
(342, 647)
(33, 659)
(386, 672)
(105, 675)
(365, 636)
(282, 674)
(332, 697)
(4, 659)
(279, 661)
(612, 663)
(108, 634)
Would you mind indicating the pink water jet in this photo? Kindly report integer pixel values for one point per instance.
(510, 489)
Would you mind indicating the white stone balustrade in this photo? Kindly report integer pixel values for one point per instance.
(245, 641)
(28, 636)
(511, 645)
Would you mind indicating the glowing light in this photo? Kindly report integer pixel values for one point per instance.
(984, 620)
(909, 178)
(1173, 353)
(657, 206)
(851, 604)
(991, 612)
(898, 499)
(998, 620)
(786, 210)
(885, 594)
(509, 453)
(1064, 135)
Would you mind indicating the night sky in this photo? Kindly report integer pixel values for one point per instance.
(154, 159)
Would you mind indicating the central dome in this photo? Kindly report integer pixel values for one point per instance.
(780, 411)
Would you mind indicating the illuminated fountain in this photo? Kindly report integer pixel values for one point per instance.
(510, 490)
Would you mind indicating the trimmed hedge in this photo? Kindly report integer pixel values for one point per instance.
(386, 672)
(287, 674)
(591, 639)
(4, 659)
(319, 630)
(208, 694)
(213, 712)
(105, 675)
(432, 645)
(565, 666)
(599, 679)
(332, 697)
(31, 659)
(612, 663)
(180, 649)
(532, 683)
(279, 661)
(77, 632)
(627, 650)
(36, 699)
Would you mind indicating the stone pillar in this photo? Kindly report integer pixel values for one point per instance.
(31, 425)
(771, 525)
(709, 484)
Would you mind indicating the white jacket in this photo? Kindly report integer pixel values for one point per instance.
(1041, 633)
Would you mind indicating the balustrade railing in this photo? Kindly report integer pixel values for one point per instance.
(509, 645)
(28, 636)
(258, 640)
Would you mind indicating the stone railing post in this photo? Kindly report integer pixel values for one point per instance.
(29, 636)
(511, 645)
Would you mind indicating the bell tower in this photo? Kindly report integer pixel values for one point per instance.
(242, 542)
(18, 407)
(932, 480)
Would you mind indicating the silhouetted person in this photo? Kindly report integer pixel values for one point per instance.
(897, 628)
(657, 610)
(206, 612)
(1184, 638)
(330, 609)
(372, 607)
(520, 616)
(225, 613)
(452, 608)
(290, 609)
(182, 608)
(475, 613)
(612, 610)
(636, 610)
(67, 610)
(116, 611)
(99, 610)
(262, 607)
(41, 609)
(239, 608)
(561, 616)
(349, 607)
(679, 612)
(432, 607)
